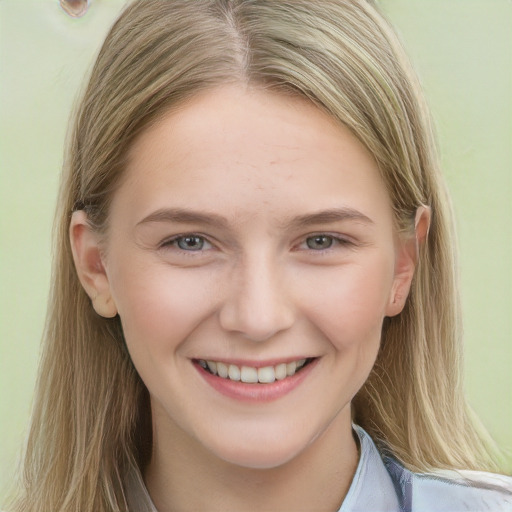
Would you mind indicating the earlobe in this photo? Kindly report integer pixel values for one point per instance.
(406, 261)
(89, 265)
(104, 305)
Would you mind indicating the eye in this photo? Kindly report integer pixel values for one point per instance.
(189, 243)
(320, 242)
(324, 243)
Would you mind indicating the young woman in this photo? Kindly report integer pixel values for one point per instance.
(254, 303)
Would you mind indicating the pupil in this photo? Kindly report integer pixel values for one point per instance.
(188, 243)
(319, 242)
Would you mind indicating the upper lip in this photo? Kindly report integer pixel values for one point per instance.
(252, 362)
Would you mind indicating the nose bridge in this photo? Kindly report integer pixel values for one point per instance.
(258, 305)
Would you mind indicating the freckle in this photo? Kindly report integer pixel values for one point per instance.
(75, 8)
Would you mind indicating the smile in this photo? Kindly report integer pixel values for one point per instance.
(253, 375)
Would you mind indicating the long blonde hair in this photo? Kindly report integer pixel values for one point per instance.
(91, 418)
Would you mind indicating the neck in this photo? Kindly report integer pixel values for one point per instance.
(184, 476)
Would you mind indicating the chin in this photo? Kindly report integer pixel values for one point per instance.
(259, 460)
(260, 454)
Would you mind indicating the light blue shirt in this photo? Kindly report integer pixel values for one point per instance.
(382, 484)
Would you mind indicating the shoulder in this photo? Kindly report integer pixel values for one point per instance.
(463, 491)
(452, 491)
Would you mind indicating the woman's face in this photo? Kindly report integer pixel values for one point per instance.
(251, 233)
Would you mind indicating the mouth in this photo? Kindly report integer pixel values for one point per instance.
(254, 375)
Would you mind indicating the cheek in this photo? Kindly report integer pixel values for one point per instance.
(349, 304)
(160, 306)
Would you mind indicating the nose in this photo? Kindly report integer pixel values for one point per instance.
(258, 305)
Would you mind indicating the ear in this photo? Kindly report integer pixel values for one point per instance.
(406, 261)
(89, 264)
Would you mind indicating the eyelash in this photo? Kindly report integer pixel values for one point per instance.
(335, 241)
(173, 243)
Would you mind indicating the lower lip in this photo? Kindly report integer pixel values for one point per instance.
(256, 392)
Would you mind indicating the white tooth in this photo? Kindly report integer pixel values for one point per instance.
(222, 370)
(212, 366)
(249, 374)
(234, 372)
(301, 363)
(266, 374)
(290, 368)
(280, 371)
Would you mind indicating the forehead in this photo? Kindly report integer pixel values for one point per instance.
(246, 152)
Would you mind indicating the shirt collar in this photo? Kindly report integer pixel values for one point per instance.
(372, 487)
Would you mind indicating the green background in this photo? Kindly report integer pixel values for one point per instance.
(462, 50)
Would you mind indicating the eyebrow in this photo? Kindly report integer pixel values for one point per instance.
(184, 216)
(330, 216)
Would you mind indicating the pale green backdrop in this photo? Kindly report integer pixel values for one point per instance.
(463, 52)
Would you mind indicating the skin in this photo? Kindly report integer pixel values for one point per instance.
(258, 289)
